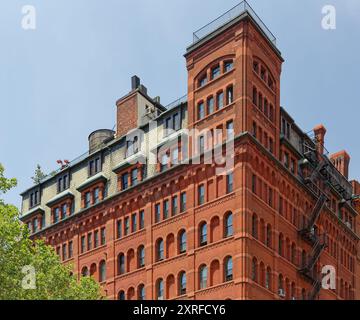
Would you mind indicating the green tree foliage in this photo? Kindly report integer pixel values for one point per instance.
(32, 270)
(39, 175)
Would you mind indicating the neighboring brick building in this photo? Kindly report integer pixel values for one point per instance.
(173, 230)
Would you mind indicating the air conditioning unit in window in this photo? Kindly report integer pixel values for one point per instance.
(150, 111)
(282, 293)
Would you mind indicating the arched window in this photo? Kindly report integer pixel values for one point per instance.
(141, 257)
(121, 295)
(228, 272)
(182, 241)
(229, 225)
(182, 283)
(254, 270)
(303, 294)
(268, 236)
(268, 278)
(203, 277)
(121, 264)
(141, 292)
(281, 286)
(254, 225)
(160, 289)
(203, 234)
(293, 253)
(160, 250)
(85, 272)
(281, 244)
(102, 273)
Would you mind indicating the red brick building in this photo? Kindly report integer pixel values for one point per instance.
(176, 229)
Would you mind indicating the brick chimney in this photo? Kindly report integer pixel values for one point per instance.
(320, 132)
(356, 187)
(341, 161)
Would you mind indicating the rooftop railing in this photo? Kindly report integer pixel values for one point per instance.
(177, 102)
(229, 16)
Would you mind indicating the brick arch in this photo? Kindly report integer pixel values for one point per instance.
(84, 271)
(93, 270)
(170, 287)
(200, 226)
(170, 246)
(215, 273)
(215, 229)
(131, 293)
(130, 260)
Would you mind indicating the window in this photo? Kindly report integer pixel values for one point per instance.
(102, 273)
(201, 111)
(229, 95)
(70, 249)
(127, 226)
(263, 73)
(183, 202)
(141, 292)
(182, 283)
(83, 248)
(166, 209)
(203, 234)
(201, 145)
(160, 289)
(34, 199)
(228, 66)
(141, 220)
(160, 250)
(103, 236)
(256, 66)
(203, 277)
(229, 225)
(43, 221)
(230, 182)
(119, 229)
(64, 251)
(260, 101)
(203, 80)
(85, 272)
(268, 279)
(133, 223)
(89, 241)
(215, 72)
(255, 96)
(96, 195)
(125, 181)
(286, 160)
(253, 184)
(254, 226)
(176, 119)
(268, 236)
(157, 212)
(121, 264)
(63, 211)
(292, 166)
(254, 270)
(63, 183)
(121, 295)
(174, 205)
(271, 145)
(230, 128)
(56, 215)
(141, 257)
(182, 242)
(220, 100)
(164, 162)
(94, 166)
(96, 238)
(281, 244)
(87, 199)
(175, 156)
(134, 177)
(35, 225)
(228, 269)
(210, 105)
(201, 194)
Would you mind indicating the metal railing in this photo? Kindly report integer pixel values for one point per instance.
(177, 102)
(229, 16)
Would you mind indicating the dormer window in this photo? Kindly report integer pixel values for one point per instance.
(132, 146)
(94, 166)
(63, 183)
(34, 199)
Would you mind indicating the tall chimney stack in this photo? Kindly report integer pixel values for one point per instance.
(341, 161)
(320, 132)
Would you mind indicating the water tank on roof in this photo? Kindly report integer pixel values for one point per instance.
(99, 137)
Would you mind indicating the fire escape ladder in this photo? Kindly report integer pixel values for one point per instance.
(315, 290)
(319, 247)
(317, 210)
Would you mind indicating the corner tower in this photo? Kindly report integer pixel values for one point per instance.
(234, 72)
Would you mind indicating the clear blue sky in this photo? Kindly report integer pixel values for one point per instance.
(60, 82)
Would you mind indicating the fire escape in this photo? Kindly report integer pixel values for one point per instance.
(316, 177)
